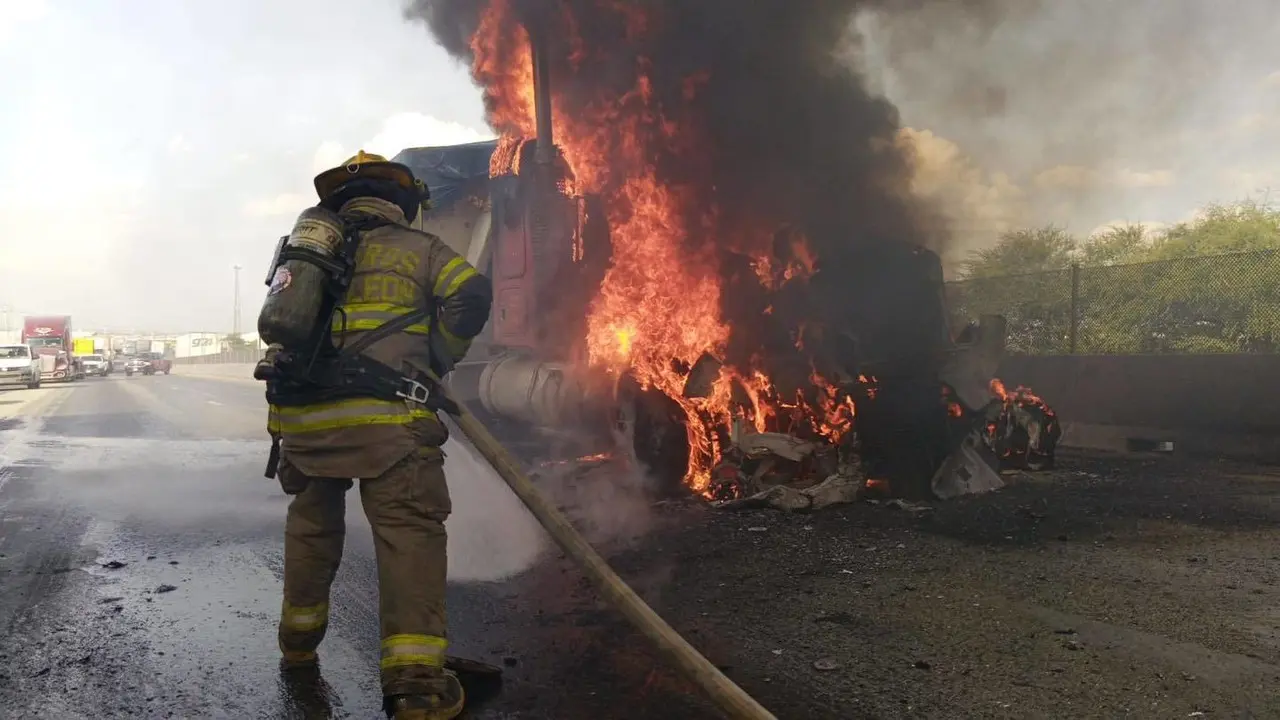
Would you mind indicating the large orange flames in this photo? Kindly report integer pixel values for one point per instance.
(658, 309)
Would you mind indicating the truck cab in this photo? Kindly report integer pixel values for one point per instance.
(49, 338)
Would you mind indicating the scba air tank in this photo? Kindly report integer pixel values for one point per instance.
(296, 293)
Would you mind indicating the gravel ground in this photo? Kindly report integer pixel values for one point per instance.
(1111, 587)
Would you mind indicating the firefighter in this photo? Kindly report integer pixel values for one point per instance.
(390, 443)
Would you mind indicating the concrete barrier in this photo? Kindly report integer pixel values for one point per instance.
(1220, 405)
(242, 372)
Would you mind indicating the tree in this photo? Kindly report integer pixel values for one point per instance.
(1020, 252)
(1125, 243)
(1219, 229)
(1210, 284)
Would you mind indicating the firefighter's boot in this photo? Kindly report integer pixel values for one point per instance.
(298, 660)
(428, 707)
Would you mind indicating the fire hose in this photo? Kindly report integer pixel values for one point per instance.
(726, 694)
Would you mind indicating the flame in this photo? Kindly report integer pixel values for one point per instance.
(1021, 396)
(658, 307)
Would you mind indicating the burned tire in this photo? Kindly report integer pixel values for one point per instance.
(655, 427)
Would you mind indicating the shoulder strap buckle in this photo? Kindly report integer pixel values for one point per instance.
(414, 391)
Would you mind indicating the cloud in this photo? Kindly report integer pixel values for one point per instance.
(1079, 178)
(979, 205)
(399, 131)
(179, 145)
(16, 13)
(328, 155)
(406, 130)
(109, 199)
(1066, 177)
(1144, 179)
(1253, 123)
(1152, 227)
(1241, 181)
(282, 204)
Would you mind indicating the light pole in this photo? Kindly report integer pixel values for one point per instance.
(235, 321)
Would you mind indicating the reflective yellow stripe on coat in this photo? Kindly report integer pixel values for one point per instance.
(452, 275)
(370, 316)
(402, 650)
(343, 414)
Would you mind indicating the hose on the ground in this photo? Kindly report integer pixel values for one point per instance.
(726, 694)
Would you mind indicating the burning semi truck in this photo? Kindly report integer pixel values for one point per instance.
(612, 331)
(704, 261)
(49, 337)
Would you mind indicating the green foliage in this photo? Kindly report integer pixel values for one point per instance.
(1243, 227)
(1022, 252)
(1208, 285)
(1114, 245)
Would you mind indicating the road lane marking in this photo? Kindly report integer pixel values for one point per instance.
(219, 419)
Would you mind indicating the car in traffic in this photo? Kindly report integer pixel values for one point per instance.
(95, 365)
(19, 366)
(138, 364)
(148, 363)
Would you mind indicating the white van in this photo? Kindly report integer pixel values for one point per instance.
(19, 366)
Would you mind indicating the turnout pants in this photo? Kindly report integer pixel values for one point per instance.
(406, 507)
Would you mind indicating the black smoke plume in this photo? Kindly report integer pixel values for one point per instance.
(791, 133)
(786, 130)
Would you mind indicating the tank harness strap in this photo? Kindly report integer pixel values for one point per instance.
(273, 459)
(383, 331)
(326, 263)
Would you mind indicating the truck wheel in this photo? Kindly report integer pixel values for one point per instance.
(128, 373)
(166, 371)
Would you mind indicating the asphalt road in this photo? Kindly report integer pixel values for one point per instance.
(140, 564)
(140, 561)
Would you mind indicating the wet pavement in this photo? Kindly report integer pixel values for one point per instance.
(140, 562)
(140, 574)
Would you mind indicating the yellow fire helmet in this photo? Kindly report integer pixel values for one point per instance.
(364, 164)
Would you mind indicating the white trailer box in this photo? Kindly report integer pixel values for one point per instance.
(197, 345)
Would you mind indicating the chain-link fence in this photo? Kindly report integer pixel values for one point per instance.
(1210, 304)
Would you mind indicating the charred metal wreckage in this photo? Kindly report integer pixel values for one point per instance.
(905, 407)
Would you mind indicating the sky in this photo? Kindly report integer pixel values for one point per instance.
(151, 145)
